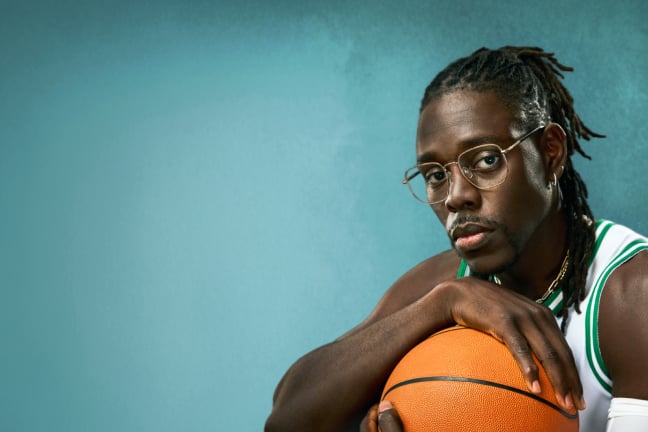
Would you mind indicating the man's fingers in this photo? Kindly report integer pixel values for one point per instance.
(558, 361)
(521, 351)
(554, 355)
(370, 421)
(388, 419)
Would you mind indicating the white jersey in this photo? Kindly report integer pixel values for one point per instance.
(615, 244)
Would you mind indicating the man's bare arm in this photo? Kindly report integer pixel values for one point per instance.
(623, 328)
(332, 387)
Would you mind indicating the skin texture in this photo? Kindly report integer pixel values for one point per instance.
(519, 227)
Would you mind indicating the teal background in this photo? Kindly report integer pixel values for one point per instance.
(194, 194)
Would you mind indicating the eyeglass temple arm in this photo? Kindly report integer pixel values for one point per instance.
(408, 179)
(516, 143)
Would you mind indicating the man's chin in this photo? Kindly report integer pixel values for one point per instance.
(483, 267)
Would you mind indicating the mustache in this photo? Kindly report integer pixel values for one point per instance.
(464, 219)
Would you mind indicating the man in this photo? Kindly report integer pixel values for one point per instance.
(529, 263)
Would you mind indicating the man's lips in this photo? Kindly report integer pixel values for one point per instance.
(468, 229)
(469, 235)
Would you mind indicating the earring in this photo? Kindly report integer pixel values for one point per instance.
(560, 194)
(553, 182)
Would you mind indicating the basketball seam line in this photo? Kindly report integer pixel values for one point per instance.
(483, 382)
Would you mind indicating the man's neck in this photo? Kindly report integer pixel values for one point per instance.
(540, 261)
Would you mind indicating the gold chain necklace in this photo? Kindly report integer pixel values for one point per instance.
(554, 284)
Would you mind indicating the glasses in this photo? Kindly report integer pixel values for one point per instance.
(484, 166)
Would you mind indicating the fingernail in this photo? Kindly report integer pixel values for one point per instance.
(560, 399)
(582, 404)
(569, 403)
(384, 406)
(535, 387)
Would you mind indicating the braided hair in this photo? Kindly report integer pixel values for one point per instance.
(528, 78)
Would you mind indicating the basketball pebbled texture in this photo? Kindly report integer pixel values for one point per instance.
(461, 380)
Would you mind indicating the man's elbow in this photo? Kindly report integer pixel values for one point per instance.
(279, 422)
(272, 424)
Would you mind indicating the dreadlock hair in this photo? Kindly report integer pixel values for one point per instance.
(528, 78)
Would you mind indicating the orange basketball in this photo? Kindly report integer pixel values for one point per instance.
(461, 379)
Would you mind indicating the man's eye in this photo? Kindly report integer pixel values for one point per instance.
(487, 162)
(435, 176)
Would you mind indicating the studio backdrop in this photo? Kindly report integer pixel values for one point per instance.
(193, 194)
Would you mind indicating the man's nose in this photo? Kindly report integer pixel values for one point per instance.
(462, 193)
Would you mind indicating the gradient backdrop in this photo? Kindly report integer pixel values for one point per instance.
(194, 194)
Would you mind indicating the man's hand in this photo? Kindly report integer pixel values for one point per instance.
(382, 418)
(524, 326)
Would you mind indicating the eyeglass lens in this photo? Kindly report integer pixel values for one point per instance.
(483, 166)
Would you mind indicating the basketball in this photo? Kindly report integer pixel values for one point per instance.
(461, 380)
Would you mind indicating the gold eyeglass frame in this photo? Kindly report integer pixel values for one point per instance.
(409, 175)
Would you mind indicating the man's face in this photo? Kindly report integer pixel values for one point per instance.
(489, 228)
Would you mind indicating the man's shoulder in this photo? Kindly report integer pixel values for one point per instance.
(632, 274)
(423, 277)
(615, 244)
(439, 268)
(624, 269)
(622, 324)
(414, 284)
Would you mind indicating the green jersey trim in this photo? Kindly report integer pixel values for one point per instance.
(594, 356)
(554, 302)
(463, 269)
(602, 227)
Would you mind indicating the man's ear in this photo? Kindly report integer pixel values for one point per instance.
(554, 150)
